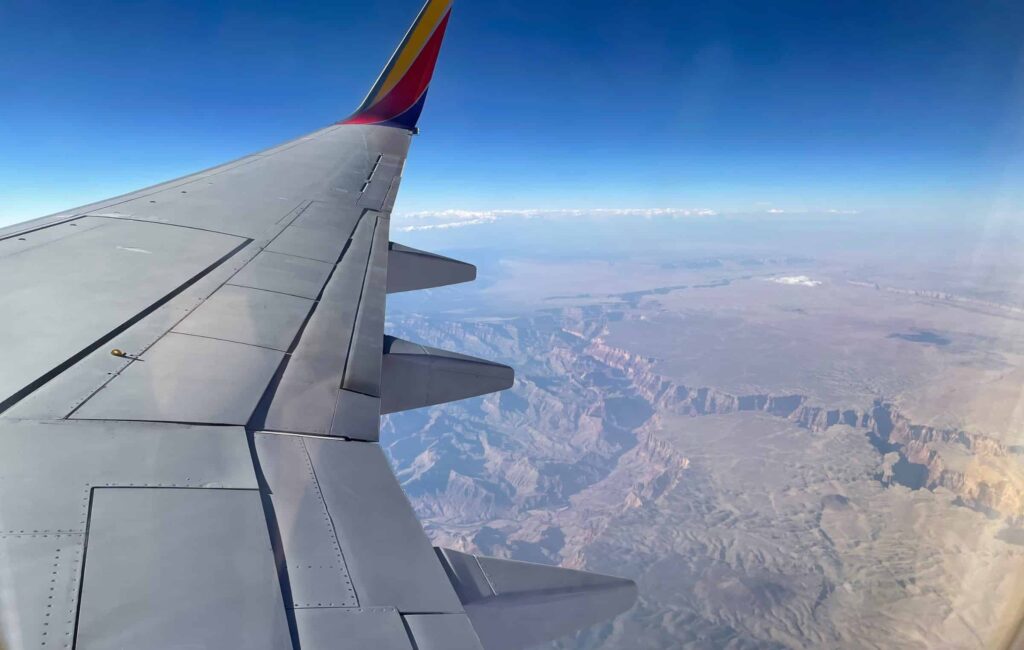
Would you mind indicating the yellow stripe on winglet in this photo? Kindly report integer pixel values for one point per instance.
(431, 19)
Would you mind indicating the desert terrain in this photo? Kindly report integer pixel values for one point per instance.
(785, 447)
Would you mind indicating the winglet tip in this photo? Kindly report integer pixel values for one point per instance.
(398, 96)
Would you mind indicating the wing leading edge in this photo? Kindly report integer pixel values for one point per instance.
(205, 361)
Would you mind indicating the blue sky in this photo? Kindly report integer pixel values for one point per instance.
(719, 105)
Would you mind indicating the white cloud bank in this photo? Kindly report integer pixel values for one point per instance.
(476, 221)
(797, 280)
(444, 219)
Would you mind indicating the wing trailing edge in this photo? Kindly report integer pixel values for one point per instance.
(397, 97)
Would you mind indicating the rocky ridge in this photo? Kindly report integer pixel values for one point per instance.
(912, 453)
(582, 408)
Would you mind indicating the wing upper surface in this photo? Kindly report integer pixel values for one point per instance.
(254, 243)
(249, 300)
(195, 372)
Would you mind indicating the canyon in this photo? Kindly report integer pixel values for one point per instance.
(790, 436)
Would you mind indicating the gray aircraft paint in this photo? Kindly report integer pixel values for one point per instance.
(223, 460)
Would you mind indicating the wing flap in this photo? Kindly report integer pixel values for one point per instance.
(442, 632)
(387, 554)
(356, 416)
(307, 396)
(379, 628)
(362, 369)
(303, 526)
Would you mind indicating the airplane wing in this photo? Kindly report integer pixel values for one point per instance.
(191, 381)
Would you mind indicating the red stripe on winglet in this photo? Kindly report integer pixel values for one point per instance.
(407, 91)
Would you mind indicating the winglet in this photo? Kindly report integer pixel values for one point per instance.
(397, 97)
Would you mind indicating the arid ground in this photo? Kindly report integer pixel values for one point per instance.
(807, 436)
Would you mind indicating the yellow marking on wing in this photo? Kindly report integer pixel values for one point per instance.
(431, 19)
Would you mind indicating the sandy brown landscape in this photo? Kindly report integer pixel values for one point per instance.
(782, 451)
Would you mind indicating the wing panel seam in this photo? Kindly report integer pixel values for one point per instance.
(359, 304)
(95, 345)
(334, 527)
(275, 382)
(29, 231)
